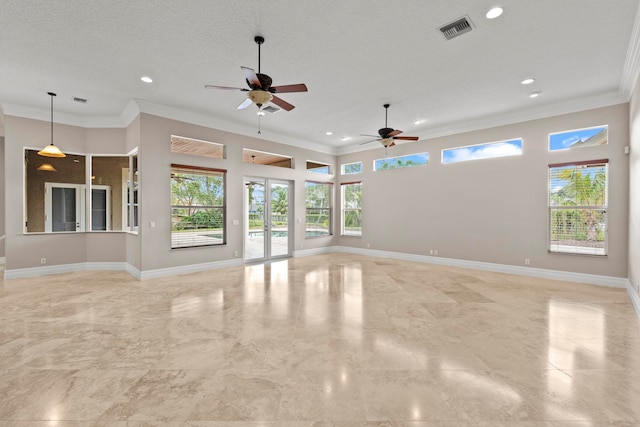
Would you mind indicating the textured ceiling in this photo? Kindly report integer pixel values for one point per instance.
(353, 55)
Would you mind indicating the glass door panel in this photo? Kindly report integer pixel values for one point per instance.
(279, 224)
(254, 242)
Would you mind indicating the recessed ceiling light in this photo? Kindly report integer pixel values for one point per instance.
(329, 133)
(345, 138)
(494, 13)
(535, 94)
(146, 79)
(527, 81)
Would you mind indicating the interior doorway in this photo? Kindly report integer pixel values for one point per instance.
(268, 225)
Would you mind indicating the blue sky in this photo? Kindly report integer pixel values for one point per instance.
(563, 140)
(483, 151)
(420, 159)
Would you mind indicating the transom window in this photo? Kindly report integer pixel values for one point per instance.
(578, 138)
(318, 167)
(198, 206)
(578, 207)
(408, 161)
(489, 150)
(318, 209)
(351, 168)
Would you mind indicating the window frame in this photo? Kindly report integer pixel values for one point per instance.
(344, 209)
(197, 170)
(328, 210)
(603, 206)
(376, 168)
(485, 144)
(343, 167)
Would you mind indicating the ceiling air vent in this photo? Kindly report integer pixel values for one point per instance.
(456, 28)
(271, 109)
(80, 100)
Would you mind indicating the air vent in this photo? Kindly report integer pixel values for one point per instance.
(80, 100)
(456, 28)
(271, 109)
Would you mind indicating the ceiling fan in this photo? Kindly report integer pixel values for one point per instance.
(260, 90)
(387, 135)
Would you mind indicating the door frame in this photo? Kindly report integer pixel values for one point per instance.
(267, 243)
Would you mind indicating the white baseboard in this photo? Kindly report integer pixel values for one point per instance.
(593, 279)
(21, 273)
(186, 269)
(635, 298)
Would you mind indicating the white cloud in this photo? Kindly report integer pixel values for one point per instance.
(484, 152)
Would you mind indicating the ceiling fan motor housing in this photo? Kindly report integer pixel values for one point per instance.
(384, 132)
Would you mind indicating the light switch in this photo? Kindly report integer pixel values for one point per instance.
(152, 224)
(236, 222)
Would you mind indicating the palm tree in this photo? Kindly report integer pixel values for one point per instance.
(584, 190)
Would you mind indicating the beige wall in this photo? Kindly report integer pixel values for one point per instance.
(155, 169)
(634, 192)
(492, 210)
(2, 181)
(26, 250)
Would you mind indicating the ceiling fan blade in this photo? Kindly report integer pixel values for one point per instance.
(394, 133)
(407, 138)
(372, 136)
(251, 76)
(244, 104)
(225, 88)
(301, 87)
(368, 142)
(282, 103)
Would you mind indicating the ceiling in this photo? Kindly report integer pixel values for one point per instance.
(354, 56)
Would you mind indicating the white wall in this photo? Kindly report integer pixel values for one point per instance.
(492, 210)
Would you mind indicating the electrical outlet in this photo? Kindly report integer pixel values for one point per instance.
(368, 245)
(430, 251)
(527, 261)
(43, 260)
(435, 252)
(235, 253)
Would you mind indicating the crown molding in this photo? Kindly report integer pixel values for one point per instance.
(631, 68)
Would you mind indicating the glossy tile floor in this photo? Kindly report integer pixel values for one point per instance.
(334, 339)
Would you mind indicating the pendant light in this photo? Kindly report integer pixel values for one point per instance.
(47, 167)
(51, 150)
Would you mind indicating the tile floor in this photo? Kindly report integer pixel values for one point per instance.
(334, 339)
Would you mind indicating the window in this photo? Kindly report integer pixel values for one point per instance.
(578, 207)
(268, 159)
(401, 162)
(351, 209)
(196, 147)
(318, 167)
(318, 203)
(197, 206)
(578, 138)
(351, 168)
(489, 150)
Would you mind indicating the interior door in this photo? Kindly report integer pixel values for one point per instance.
(64, 207)
(267, 219)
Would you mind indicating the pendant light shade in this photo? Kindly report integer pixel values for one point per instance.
(51, 150)
(47, 167)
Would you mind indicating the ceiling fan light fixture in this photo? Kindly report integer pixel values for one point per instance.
(259, 97)
(51, 150)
